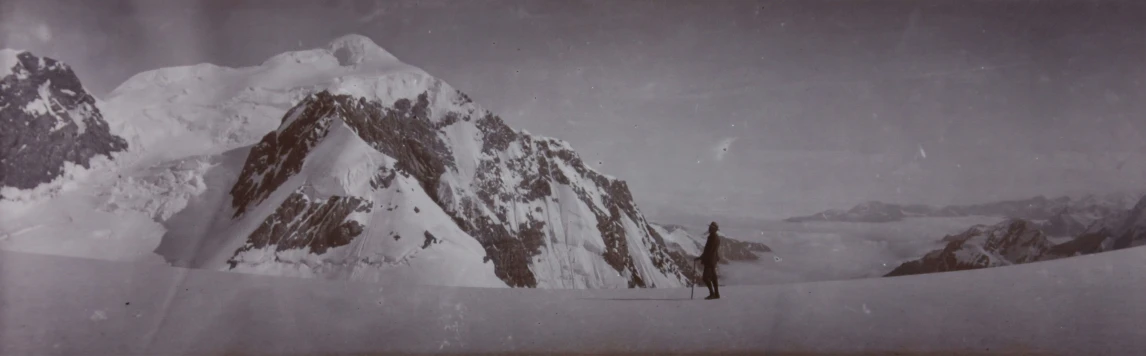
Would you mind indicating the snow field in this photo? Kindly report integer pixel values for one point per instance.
(1056, 307)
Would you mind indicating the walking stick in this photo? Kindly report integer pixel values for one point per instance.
(692, 290)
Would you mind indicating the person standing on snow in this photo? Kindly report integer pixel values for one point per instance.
(709, 259)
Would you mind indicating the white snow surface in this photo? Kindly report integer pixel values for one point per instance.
(1078, 306)
(98, 212)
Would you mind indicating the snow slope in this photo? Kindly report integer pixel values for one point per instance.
(1078, 306)
(103, 212)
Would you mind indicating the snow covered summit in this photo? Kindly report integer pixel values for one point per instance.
(177, 112)
(49, 121)
(355, 49)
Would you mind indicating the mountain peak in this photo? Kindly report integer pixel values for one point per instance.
(498, 201)
(353, 49)
(342, 53)
(49, 121)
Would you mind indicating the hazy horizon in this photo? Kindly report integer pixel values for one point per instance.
(732, 109)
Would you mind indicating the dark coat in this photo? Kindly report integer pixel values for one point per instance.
(711, 253)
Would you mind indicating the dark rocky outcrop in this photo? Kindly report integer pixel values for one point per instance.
(301, 222)
(48, 119)
(430, 240)
(281, 154)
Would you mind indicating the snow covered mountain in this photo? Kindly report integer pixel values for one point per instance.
(382, 172)
(1017, 241)
(1013, 241)
(1062, 216)
(50, 122)
(202, 109)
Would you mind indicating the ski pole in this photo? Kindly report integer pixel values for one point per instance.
(692, 282)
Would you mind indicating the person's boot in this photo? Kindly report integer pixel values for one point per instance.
(716, 290)
(709, 285)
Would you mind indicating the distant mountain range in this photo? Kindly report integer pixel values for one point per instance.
(1062, 216)
(1018, 241)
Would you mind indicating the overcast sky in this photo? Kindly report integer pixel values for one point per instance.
(735, 108)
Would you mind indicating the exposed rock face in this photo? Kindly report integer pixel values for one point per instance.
(301, 223)
(48, 120)
(280, 155)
